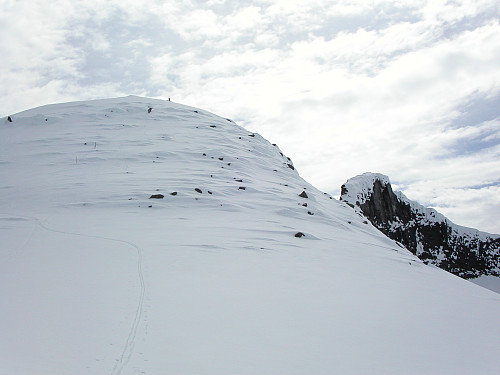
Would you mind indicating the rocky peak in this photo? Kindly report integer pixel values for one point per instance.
(466, 252)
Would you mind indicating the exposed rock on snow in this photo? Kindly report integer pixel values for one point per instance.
(157, 196)
(465, 252)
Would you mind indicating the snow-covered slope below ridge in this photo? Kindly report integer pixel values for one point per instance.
(466, 252)
(97, 278)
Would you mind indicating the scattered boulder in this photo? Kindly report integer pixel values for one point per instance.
(303, 195)
(242, 188)
(9, 119)
(173, 193)
(221, 159)
(150, 109)
(156, 196)
(291, 167)
(198, 191)
(299, 234)
(251, 135)
(304, 204)
(310, 213)
(209, 192)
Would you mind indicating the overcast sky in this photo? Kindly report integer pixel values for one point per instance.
(408, 88)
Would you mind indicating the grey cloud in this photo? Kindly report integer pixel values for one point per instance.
(376, 18)
(486, 185)
(477, 109)
(467, 146)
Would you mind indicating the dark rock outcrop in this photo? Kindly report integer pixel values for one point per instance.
(156, 196)
(465, 252)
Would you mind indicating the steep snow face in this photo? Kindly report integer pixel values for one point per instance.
(144, 236)
(463, 251)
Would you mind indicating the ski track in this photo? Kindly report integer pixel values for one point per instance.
(128, 348)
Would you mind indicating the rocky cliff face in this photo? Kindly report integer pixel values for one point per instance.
(465, 252)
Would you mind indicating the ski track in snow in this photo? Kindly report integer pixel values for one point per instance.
(128, 348)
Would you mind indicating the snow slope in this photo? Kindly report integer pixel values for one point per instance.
(97, 278)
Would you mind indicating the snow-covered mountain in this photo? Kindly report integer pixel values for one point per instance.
(144, 236)
(465, 252)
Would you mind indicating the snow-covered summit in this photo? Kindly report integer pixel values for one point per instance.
(357, 190)
(145, 236)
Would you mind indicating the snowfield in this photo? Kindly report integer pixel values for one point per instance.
(96, 277)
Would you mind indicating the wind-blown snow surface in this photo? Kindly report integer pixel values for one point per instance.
(95, 281)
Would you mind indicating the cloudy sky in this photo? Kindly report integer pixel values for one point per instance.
(408, 88)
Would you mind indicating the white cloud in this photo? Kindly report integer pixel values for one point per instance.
(245, 18)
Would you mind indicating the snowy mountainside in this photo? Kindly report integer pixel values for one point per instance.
(144, 236)
(466, 252)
